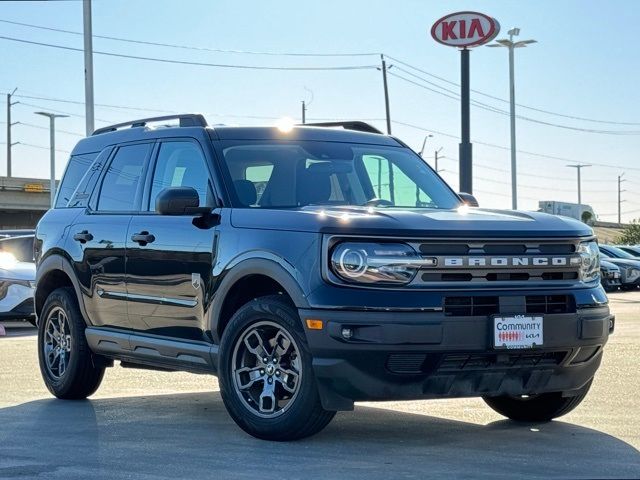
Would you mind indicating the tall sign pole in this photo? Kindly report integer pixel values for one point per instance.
(465, 30)
(465, 152)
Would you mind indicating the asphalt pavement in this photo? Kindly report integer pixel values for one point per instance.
(151, 425)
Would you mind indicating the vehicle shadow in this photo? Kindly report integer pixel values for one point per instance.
(191, 436)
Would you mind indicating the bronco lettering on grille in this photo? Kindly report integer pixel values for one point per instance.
(505, 261)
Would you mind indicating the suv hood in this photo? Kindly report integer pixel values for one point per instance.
(462, 222)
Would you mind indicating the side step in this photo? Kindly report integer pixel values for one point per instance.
(153, 351)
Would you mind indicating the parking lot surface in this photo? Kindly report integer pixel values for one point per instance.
(143, 424)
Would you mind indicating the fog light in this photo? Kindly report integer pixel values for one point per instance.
(347, 333)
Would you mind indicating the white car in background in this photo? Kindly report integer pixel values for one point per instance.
(17, 279)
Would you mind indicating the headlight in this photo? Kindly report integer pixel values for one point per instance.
(376, 263)
(590, 261)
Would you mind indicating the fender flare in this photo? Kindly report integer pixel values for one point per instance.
(57, 262)
(270, 266)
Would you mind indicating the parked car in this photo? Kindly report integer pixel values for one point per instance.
(21, 247)
(628, 264)
(16, 232)
(610, 276)
(17, 282)
(630, 249)
(309, 268)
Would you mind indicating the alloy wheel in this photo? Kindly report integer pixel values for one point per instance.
(266, 369)
(57, 343)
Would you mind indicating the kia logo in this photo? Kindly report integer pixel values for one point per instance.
(465, 29)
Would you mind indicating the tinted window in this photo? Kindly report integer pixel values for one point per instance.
(76, 168)
(180, 164)
(296, 174)
(121, 181)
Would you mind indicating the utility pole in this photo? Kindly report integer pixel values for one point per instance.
(386, 93)
(9, 125)
(88, 67)
(620, 180)
(304, 113)
(579, 169)
(511, 45)
(436, 158)
(52, 145)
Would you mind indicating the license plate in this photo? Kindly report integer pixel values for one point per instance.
(616, 275)
(517, 331)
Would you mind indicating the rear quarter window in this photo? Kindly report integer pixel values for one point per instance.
(76, 169)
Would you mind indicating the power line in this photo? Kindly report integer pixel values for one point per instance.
(502, 147)
(307, 54)
(192, 47)
(493, 109)
(186, 62)
(548, 112)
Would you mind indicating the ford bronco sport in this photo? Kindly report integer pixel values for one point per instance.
(308, 269)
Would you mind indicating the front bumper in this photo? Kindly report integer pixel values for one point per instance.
(396, 355)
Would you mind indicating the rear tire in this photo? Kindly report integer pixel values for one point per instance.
(66, 362)
(536, 408)
(266, 378)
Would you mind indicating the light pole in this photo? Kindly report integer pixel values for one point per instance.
(52, 144)
(424, 143)
(511, 45)
(88, 67)
(579, 168)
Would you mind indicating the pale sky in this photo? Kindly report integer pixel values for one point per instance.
(584, 65)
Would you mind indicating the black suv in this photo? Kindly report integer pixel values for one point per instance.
(309, 268)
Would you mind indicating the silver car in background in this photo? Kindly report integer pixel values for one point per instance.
(17, 278)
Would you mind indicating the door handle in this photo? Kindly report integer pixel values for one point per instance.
(83, 237)
(143, 238)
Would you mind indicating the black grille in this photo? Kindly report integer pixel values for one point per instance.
(422, 363)
(483, 306)
(406, 362)
(477, 361)
(470, 306)
(550, 304)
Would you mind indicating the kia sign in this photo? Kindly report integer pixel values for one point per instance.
(465, 29)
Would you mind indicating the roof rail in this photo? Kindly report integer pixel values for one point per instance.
(348, 125)
(186, 120)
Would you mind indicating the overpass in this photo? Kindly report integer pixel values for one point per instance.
(23, 201)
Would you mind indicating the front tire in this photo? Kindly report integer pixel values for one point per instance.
(266, 379)
(66, 362)
(536, 408)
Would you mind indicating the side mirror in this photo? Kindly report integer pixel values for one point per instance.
(469, 199)
(180, 201)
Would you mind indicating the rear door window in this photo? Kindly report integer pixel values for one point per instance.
(122, 179)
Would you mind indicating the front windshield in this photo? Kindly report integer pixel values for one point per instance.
(618, 253)
(296, 174)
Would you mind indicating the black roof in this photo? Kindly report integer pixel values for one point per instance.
(98, 142)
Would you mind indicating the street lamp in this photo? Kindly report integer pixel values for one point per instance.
(579, 168)
(52, 145)
(424, 142)
(511, 45)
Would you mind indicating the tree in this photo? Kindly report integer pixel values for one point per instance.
(587, 217)
(630, 234)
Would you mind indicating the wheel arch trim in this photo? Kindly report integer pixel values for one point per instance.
(269, 266)
(56, 262)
